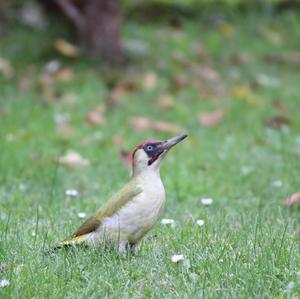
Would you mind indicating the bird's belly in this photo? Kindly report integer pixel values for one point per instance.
(134, 220)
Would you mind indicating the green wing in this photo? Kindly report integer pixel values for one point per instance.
(129, 191)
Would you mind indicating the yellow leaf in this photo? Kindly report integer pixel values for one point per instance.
(65, 48)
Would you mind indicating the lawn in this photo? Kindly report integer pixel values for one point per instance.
(247, 161)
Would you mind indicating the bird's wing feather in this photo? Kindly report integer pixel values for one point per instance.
(129, 191)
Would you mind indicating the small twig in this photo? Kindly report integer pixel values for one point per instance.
(72, 13)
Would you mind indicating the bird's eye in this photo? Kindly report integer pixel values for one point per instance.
(149, 148)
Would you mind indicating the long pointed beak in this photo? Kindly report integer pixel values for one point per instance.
(166, 145)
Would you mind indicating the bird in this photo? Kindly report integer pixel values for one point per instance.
(132, 212)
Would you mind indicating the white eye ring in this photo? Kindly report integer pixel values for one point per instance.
(149, 147)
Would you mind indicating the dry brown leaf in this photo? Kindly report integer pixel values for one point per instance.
(180, 82)
(278, 122)
(162, 126)
(125, 157)
(278, 105)
(6, 69)
(242, 92)
(150, 80)
(64, 128)
(290, 58)
(117, 140)
(207, 73)
(64, 74)
(227, 29)
(65, 48)
(121, 90)
(96, 116)
(293, 200)
(240, 58)
(73, 159)
(140, 123)
(4, 268)
(211, 119)
(165, 102)
(143, 124)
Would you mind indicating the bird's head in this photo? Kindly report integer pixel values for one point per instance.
(148, 155)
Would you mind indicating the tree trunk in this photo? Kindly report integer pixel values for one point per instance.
(98, 24)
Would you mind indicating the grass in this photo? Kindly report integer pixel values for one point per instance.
(247, 248)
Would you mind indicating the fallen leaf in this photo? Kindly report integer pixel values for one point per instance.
(96, 117)
(143, 124)
(4, 268)
(162, 126)
(73, 159)
(289, 58)
(125, 157)
(211, 119)
(121, 90)
(117, 140)
(293, 200)
(278, 105)
(64, 74)
(278, 122)
(180, 82)
(238, 58)
(6, 69)
(165, 102)
(206, 72)
(65, 48)
(243, 93)
(227, 29)
(64, 128)
(150, 80)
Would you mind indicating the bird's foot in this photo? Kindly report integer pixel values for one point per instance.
(134, 248)
(122, 247)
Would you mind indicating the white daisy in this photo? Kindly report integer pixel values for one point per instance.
(200, 222)
(177, 257)
(81, 215)
(4, 283)
(206, 201)
(71, 192)
(168, 222)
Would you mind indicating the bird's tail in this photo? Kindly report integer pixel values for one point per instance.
(74, 241)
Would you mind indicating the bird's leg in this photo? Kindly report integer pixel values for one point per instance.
(134, 248)
(122, 247)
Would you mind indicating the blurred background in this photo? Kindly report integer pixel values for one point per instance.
(79, 76)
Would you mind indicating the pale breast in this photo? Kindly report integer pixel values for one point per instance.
(139, 215)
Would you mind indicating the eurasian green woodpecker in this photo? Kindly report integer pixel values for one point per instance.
(129, 215)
